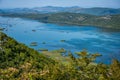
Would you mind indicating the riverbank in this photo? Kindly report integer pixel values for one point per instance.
(108, 21)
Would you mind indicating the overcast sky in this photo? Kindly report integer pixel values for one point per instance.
(40, 3)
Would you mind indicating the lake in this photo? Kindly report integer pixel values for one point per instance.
(72, 38)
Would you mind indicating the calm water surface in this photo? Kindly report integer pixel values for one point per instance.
(77, 38)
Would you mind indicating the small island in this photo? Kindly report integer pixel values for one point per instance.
(33, 44)
(1, 29)
(62, 40)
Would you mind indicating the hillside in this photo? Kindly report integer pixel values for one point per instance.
(18, 62)
(75, 9)
(108, 21)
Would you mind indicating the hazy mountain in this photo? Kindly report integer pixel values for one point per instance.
(74, 9)
(18, 10)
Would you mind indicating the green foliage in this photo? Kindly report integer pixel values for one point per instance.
(19, 57)
(115, 70)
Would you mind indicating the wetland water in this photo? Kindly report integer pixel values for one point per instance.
(73, 38)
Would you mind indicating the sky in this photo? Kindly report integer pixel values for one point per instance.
(62, 3)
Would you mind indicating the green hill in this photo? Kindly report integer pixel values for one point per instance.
(107, 21)
(18, 62)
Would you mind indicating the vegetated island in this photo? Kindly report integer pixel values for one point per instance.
(106, 21)
(18, 62)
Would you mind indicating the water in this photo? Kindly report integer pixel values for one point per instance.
(77, 38)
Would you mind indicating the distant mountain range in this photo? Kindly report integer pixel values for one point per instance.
(74, 9)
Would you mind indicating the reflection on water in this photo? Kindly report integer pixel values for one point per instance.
(77, 38)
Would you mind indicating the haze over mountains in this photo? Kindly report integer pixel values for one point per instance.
(74, 9)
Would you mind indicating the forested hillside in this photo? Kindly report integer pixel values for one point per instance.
(18, 62)
(107, 21)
